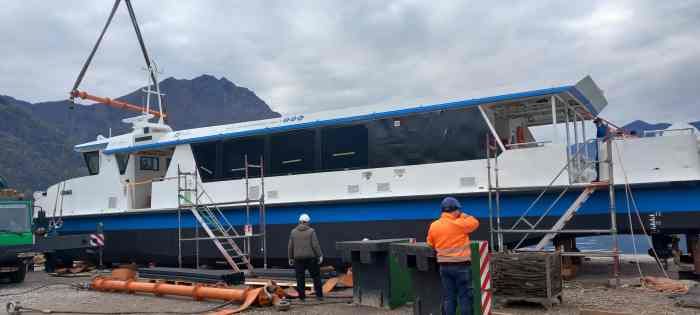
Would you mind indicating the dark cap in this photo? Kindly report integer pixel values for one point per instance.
(450, 204)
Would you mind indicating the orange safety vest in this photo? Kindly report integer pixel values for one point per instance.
(449, 236)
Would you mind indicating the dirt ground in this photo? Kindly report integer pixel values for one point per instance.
(588, 291)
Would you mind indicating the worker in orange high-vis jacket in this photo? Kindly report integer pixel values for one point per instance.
(449, 236)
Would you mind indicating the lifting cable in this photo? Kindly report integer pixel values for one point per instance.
(79, 79)
(72, 285)
(24, 309)
(142, 45)
(630, 197)
(140, 39)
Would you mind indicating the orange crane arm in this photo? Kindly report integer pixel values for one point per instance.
(114, 103)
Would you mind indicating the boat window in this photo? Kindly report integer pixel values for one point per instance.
(440, 136)
(234, 152)
(149, 163)
(433, 137)
(92, 161)
(205, 157)
(122, 161)
(292, 152)
(344, 147)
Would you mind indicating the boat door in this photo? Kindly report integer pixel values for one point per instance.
(148, 166)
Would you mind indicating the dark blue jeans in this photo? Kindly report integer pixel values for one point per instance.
(456, 286)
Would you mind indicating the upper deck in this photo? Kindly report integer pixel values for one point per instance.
(584, 97)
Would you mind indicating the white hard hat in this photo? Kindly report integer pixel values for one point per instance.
(304, 218)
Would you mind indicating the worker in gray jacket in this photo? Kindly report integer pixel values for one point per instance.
(304, 253)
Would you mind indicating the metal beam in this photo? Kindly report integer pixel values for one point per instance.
(493, 130)
(554, 117)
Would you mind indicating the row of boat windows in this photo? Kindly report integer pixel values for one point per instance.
(433, 137)
(146, 163)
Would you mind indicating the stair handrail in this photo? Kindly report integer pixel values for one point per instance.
(578, 152)
(218, 210)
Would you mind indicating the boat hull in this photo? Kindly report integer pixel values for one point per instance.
(152, 236)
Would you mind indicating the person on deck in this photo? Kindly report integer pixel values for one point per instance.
(304, 253)
(449, 236)
(602, 131)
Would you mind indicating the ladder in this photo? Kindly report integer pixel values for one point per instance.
(567, 216)
(217, 228)
(223, 234)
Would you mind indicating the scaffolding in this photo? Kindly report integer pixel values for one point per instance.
(213, 225)
(577, 161)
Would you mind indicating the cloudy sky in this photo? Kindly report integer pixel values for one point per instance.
(309, 55)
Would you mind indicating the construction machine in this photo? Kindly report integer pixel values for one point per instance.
(23, 237)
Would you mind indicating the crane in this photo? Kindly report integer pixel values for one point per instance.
(153, 79)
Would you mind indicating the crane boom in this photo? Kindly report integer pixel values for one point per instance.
(150, 67)
(114, 103)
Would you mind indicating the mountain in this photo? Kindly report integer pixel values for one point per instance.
(640, 126)
(34, 153)
(37, 140)
(199, 102)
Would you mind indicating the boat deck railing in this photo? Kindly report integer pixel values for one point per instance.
(522, 145)
(669, 132)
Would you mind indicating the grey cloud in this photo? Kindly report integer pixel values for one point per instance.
(302, 56)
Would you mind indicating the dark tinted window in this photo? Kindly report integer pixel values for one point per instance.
(122, 161)
(92, 161)
(206, 159)
(344, 147)
(442, 136)
(292, 152)
(234, 153)
(149, 163)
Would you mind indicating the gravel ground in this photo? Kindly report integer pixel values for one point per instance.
(588, 291)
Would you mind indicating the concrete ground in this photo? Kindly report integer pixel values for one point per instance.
(60, 297)
(587, 291)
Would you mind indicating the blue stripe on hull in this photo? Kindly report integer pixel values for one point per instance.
(670, 198)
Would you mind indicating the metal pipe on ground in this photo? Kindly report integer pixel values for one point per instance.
(243, 296)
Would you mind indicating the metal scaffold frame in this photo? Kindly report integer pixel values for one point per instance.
(216, 226)
(575, 163)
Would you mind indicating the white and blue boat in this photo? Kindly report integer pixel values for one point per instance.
(374, 172)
